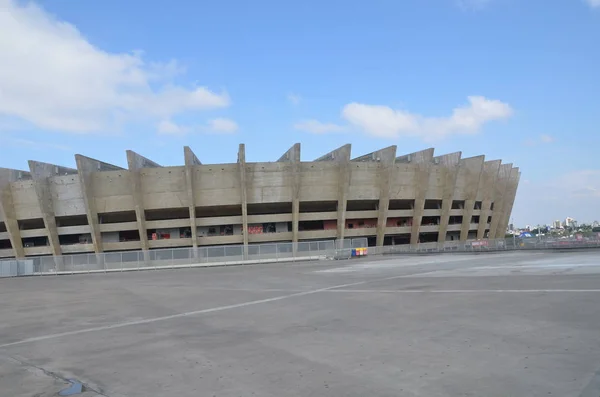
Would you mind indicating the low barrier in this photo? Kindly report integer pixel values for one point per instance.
(263, 253)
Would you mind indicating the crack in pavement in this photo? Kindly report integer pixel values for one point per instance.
(54, 375)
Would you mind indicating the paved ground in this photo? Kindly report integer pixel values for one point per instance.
(511, 324)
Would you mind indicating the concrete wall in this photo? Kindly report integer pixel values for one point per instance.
(99, 188)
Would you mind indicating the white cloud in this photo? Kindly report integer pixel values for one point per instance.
(218, 125)
(385, 122)
(542, 139)
(167, 127)
(593, 3)
(222, 125)
(294, 99)
(317, 127)
(52, 77)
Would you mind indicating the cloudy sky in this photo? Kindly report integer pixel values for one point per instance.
(512, 79)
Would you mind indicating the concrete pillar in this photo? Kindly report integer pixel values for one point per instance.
(423, 162)
(243, 195)
(293, 156)
(449, 173)
(7, 208)
(85, 167)
(387, 158)
(341, 155)
(41, 174)
(469, 175)
(499, 197)
(486, 192)
(190, 161)
(511, 192)
(136, 163)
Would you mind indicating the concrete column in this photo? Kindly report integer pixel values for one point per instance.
(243, 195)
(387, 158)
(85, 167)
(422, 161)
(7, 208)
(450, 166)
(486, 192)
(341, 155)
(293, 156)
(190, 161)
(41, 173)
(469, 175)
(511, 192)
(499, 197)
(136, 163)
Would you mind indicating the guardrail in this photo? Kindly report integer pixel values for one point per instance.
(261, 253)
(173, 258)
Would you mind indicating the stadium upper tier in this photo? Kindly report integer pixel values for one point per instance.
(390, 199)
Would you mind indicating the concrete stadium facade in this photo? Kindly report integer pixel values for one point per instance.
(390, 199)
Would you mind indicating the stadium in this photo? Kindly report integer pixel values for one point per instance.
(386, 198)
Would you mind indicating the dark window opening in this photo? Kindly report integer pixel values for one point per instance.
(453, 236)
(117, 217)
(475, 219)
(218, 210)
(362, 205)
(399, 222)
(311, 225)
(269, 227)
(489, 219)
(492, 206)
(361, 223)
(478, 205)
(35, 241)
(455, 220)
(371, 241)
(167, 214)
(402, 204)
(129, 235)
(428, 237)
(458, 204)
(290, 227)
(400, 239)
(226, 230)
(30, 224)
(318, 206)
(72, 239)
(430, 220)
(186, 232)
(433, 204)
(2, 227)
(77, 220)
(5, 244)
(269, 208)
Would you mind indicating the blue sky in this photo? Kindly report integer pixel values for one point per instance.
(512, 79)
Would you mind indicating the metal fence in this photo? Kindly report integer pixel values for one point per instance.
(257, 253)
(504, 244)
(174, 257)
